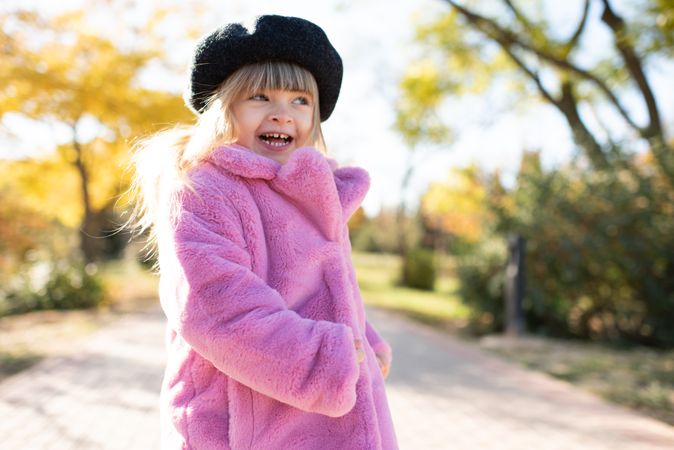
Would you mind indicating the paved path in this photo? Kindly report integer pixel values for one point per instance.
(444, 394)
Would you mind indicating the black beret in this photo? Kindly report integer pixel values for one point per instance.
(274, 38)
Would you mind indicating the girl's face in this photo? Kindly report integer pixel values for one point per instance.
(274, 123)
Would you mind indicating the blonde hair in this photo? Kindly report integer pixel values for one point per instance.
(162, 162)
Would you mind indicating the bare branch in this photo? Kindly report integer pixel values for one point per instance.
(507, 37)
(634, 67)
(531, 74)
(602, 124)
(521, 18)
(568, 105)
(573, 40)
(653, 133)
(506, 45)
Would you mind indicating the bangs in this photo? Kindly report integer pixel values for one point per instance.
(278, 76)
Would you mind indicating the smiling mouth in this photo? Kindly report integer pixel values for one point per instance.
(276, 139)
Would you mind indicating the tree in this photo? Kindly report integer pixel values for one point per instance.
(457, 206)
(418, 123)
(476, 50)
(599, 229)
(61, 71)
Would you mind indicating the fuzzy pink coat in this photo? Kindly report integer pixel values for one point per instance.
(263, 307)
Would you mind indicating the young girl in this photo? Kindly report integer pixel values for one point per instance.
(268, 346)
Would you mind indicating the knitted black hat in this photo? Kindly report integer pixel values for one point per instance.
(274, 38)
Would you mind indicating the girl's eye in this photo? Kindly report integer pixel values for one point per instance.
(302, 101)
(260, 97)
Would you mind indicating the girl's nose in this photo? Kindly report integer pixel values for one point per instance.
(280, 115)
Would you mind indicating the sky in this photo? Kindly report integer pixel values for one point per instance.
(375, 40)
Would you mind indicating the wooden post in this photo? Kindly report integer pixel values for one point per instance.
(514, 319)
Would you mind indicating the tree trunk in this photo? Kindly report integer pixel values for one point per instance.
(403, 238)
(89, 232)
(402, 208)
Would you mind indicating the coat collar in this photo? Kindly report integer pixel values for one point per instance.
(312, 181)
(242, 162)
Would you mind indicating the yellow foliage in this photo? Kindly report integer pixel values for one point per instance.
(47, 186)
(357, 220)
(423, 81)
(465, 66)
(61, 70)
(422, 90)
(457, 206)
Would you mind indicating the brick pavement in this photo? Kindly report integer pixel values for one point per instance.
(444, 394)
(101, 395)
(447, 394)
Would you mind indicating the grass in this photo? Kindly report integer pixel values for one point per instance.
(16, 360)
(377, 280)
(639, 378)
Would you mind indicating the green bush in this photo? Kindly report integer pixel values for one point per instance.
(602, 257)
(599, 257)
(72, 288)
(482, 285)
(56, 286)
(418, 269)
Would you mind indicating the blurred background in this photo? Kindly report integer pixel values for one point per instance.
(479, 121)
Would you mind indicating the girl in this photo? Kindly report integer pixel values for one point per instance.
(268, 346)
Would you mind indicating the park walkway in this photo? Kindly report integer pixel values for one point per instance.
(444, 394)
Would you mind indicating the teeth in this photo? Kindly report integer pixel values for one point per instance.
(267, 136)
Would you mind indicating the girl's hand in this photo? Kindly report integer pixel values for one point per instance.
(382, 358)
(384, 363)
(360, 352)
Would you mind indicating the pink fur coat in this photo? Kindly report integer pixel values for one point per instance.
(263, 307)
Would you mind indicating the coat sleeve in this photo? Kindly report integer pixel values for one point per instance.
(378, 344)
(231, 317)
